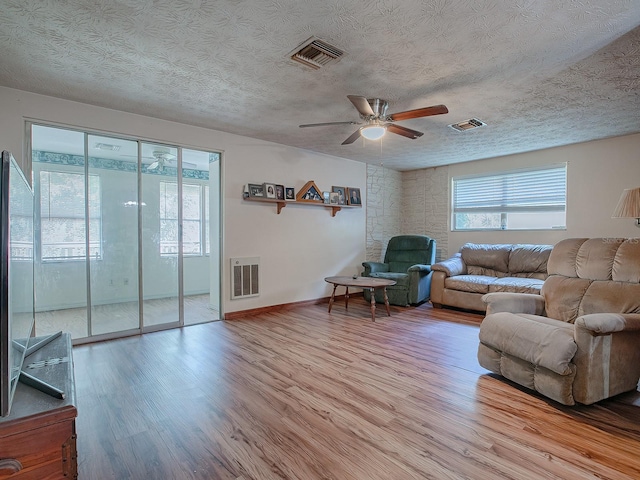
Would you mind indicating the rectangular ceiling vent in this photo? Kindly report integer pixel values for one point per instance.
(315, 53)
(467, 125)
(245, 277)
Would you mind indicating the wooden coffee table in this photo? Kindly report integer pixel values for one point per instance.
(361, 282)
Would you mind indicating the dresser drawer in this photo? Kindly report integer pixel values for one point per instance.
(45, 453)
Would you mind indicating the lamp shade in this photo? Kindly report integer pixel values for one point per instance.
(628, 205)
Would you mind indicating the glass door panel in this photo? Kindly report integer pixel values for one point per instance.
(113, 234)
(60, 231)
(159, 198)
(196, 187)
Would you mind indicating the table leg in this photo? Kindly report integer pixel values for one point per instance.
(386, 301)
(346, 298)
(373, 304)
(333, 295)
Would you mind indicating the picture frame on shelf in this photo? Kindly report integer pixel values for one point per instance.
(354, 197)
(269, 190)
(325, 197)
(334, 198)
(310, 193)
(290, 194)
(256, 190)
(342, 196)
(279, 192)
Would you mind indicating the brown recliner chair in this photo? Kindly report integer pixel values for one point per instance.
(579, 340)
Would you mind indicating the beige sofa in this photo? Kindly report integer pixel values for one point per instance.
(463, 279)
(579, 340)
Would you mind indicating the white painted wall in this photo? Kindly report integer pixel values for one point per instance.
(302, 245)
(298, 248)
(597, 172)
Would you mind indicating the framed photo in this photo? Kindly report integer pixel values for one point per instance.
(256, 190)
(354, 196)
(289, 194)
(342, 194)
(325, 197)
(333, 198)
(269, 190)
(279, 192)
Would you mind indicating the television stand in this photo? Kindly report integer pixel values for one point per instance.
(38, 437)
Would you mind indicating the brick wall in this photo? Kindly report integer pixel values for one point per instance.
(425, 198)
(384, 209)
(404, 203)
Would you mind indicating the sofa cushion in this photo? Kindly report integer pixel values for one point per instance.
(492, 257)
(469, 283)
(516, 285)
(595, 258)
(610, 297)
(401, 279)
(528, 260)
(626, 264)
(562, 296)
(532, 338)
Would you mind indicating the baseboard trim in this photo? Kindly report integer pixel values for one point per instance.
(240, 314)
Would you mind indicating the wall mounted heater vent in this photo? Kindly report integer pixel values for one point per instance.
(245, 277)
(467, 125)
(315, 53)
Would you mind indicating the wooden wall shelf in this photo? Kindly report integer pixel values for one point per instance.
(281, 204)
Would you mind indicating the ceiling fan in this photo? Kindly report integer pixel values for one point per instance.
(373, 113)
(162, 156)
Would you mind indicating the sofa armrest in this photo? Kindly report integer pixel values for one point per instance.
(372, 267)
(514, 302)
(451, 267)
(421, 269)
(606, 323)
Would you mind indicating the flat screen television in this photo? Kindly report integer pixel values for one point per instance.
(16, 276)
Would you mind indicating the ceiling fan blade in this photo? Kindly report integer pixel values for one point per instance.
(153, 165)
(327, 123)
(404, 131)
(419, 112)
(354, 136)
(362, 105)
(174, 163)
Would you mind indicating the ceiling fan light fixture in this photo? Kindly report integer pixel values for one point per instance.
(373, 132)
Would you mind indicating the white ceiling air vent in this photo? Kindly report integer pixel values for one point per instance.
(467, 125)
(315, 53)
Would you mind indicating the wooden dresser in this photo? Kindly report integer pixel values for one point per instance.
(38, 438)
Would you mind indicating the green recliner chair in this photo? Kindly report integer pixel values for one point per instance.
(408, 261)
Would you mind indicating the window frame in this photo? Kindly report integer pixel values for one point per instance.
(39, 218)
(511, 196)
(202, 219)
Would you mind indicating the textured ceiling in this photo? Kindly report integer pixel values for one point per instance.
(539, 73)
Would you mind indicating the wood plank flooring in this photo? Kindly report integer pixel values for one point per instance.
(303, 394)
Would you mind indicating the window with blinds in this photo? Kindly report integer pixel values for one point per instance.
(532, 199)
(195, 218)
(62, 216)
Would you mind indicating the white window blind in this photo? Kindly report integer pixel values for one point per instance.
(519, 199)
(192, 218)
(62, 216)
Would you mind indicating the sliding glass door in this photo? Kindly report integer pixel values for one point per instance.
(60, 233)
(160, 244)
(127, 234)
(113, 238)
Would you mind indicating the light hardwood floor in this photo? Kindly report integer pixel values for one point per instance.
(303, 394)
